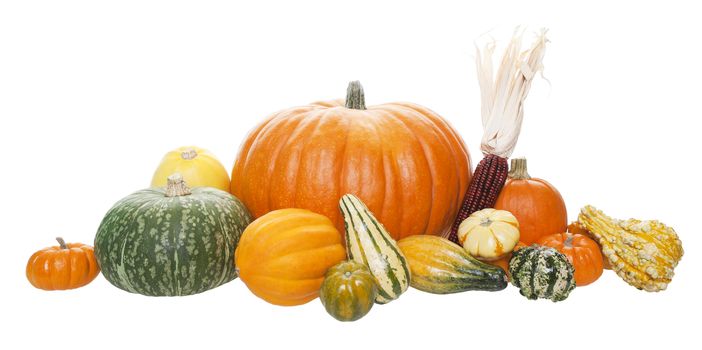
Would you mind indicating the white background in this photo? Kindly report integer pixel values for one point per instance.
(93, 93)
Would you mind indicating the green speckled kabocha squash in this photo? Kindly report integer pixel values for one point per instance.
(171, 241)
(542, 272)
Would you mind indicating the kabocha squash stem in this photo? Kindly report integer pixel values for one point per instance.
(176, 186)
(61, 243)
(355, 99)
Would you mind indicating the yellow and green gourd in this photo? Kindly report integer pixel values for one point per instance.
(440, 266)
(348, 291)
(369, 243)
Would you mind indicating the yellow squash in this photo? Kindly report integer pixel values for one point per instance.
(198, 167)
(643, 253)
(489, 234)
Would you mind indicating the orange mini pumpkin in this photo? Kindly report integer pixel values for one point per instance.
(66, 266)
(283, 256)
(405, 162)
(538, 205)
(582, 252)
(577, 228)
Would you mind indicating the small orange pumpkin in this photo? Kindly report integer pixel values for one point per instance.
(576, 228)
(582, 252)
(66, 266)
(538, 205)
(283, 256)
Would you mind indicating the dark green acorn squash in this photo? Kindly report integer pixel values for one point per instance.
(348, 291)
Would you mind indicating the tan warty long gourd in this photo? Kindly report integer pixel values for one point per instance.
(643, 253)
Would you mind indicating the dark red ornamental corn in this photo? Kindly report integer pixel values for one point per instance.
(489, 178)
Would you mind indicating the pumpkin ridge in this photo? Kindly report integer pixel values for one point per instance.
(317, 123)
(293, 135)
(281, 119)
(341, 172)
(275, 159)
(446, 130)
(388, 182)
(441, 139)
(428, 165)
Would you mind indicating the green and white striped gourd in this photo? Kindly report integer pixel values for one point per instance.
(542, 272)
(171, 241)
(369, 243)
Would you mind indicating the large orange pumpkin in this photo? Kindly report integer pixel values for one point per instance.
(404, 161)
(581, 251)
(282, 257)
(538, 205)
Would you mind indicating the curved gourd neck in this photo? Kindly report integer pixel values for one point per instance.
(355, 99)
(518, 169)
(176, 187)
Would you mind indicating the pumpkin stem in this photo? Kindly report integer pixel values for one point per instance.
(518, 169)
(355, 99)
(568, 241)
(189, 154)
(176, 186)
(62, 243)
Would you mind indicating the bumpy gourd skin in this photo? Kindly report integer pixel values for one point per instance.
(642, 253)
(542, 272)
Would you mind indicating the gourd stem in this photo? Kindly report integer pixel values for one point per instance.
(176, 186)
(518, 169)
(189, 154)
(355, 99)
(62, 243)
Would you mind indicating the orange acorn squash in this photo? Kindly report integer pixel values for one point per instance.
(283, 256)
